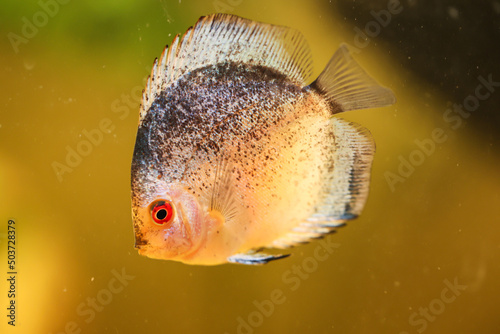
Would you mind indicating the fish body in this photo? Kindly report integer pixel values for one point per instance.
(235, 153)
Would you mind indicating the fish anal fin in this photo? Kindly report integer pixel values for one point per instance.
(348, 87)
(255, 258)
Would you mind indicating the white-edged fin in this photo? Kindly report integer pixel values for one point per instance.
(345, 183)
(255, 258)
(348, 87)
(220, 38)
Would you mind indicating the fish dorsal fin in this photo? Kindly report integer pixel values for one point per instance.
(220, 38)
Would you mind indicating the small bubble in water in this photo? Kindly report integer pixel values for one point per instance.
(29, 65)
(453, 12)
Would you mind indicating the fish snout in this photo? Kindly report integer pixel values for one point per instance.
(139, 241)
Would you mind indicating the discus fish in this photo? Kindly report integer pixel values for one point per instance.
(235, 153)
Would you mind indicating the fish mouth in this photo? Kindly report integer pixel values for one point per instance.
(139, 242)
(139, 237)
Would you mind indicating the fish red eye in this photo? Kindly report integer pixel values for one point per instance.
(162, 212)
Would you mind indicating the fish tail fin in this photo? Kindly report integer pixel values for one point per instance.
(348, 87)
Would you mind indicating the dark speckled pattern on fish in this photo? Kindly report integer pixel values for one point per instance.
(245, 154)
(211, 105)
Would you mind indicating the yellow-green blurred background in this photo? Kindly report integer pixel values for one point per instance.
(88, 62)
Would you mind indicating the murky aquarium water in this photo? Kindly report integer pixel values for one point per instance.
(422, 257)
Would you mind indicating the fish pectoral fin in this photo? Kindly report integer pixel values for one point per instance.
(255, 258)
(348, 87)
(221, 197)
